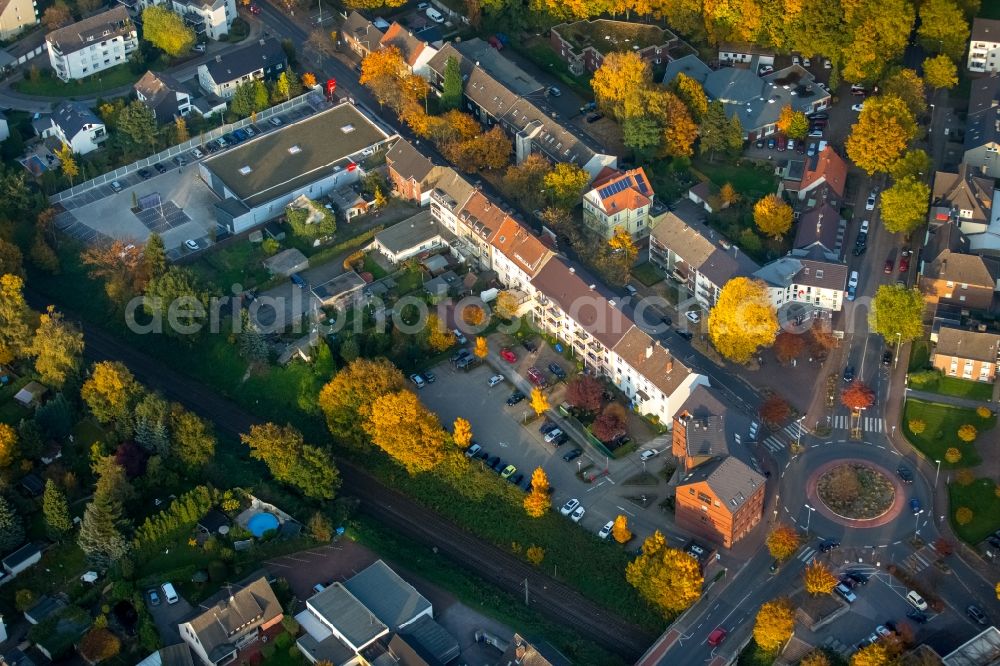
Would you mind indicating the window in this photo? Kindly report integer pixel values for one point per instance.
(295, 149)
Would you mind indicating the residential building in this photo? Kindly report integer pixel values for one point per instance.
(520, 651)
(256, 180)
(950, 276)
(982, 127)
(417, 235)
(22, 558)
(172, 655)
(744, 53)
(264, 59)
(706, 195)
(983, 649)
(16, 16)
(814, 282)
(162, 94)
(823, 178)
(208, 18)
(411, 173)
(231, 620)
(984, 46)
(820, 233)
(450, 193)
(518, 254)
(360, 34)
(478, 224)
(968, 355)
(337, 627)
(964, 199)
(584, 44)
(73, 124)
(416, 53)
(92, 45)
(619, 199)
(393, 601)
(696, 257)
(498, 92)
(756, 100)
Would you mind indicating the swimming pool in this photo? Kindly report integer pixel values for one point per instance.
(262, 523)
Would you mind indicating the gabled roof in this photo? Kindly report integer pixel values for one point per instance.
(964, 191)
(408, 162)
(961, 269)
(394, 601)
(731, 480)
(713, 425)
(651, 360)
(107, 25)
(985, 30)
(428, 638)
(158, 92)
(353, 620)
(829, 167)
(968, 344)
(584, 298)
(786, 271)
(361, 30)
(947, 237)
(451, 187)
(819, 227)
(241, 62)
(232, 612)
(482, 216)
(73, 117)
(21, 555)
(699, 247)
(503, 69)
(518, 244)
(409, 46)
(623, 190)
(983, 120)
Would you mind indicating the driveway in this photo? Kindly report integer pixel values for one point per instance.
(168, 616)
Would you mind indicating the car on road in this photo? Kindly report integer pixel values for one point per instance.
(473, 450)
(870, 202)
(693, 316)
(716, 637)
(494, 380)
(865, 224)
(569, 507)
(687, 335)
(191, 244)
(904, 264)
(648, 454)
(904, 474)
(508, 355)
(827, 545)
(887, 357)
(889, 265)
(154, 598)
(915, 600)
(849, 374)
(977, 615)
(605, 531)
(847, 582)
(858, 108)
(515, 398)
(418, 381)
(143, 174)
(536, 377)
(915, 505)
(844, 592)
(556, 370)
(852, 286)
(577, 514)
(554, 91)
(775, 565)
(858, 577)
(573, 455)
(508, 472)
(917, 616)
(552, 435)
(430, 376)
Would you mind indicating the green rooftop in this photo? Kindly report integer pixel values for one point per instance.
(612, 36)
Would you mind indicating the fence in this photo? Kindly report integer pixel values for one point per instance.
(312, 97)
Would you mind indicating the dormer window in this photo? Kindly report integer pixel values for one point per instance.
(245, 170)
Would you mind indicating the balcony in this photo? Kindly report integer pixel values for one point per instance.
(196, 21)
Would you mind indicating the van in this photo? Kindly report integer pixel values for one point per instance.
(169, 593)
(916, 600)
(434, 15)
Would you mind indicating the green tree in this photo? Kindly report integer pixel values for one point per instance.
(261, 98)
(281, 90)
(692, 94)
(154, 257)
(57, 348)
(167, 31)
(897, 313)
(11, 529)
(716, 131)
(253, 347)
(884, 129)
(904, 205)
(641, 134)
(291, 461)
(243, 102)
(914, 164)
(138, 124)
(879, 32)
(940, 72)
(178, 299)
(943, 28)
(452, 88)
(11, 259)
(101, 537)
(56, 511)
(193, 442)
(909, 87)
(565, 184)
(150, 424)
(67, 163)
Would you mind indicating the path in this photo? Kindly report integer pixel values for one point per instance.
(967, 403)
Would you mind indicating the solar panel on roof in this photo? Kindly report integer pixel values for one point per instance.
(642, 184)
(613, 188)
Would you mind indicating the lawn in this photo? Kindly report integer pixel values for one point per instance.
(240, 262)
(964, 388)
(920, 356)
(540, 52)
(982, 498)
(943, 422)
(647, 273)
(409, 281)
(750, 180)
(48, 85)
(372, 266)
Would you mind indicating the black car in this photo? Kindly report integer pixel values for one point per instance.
(904, 473)
(560, 440)
(529, 346)
(820, 116)
(849, 373)
(429, 376)
(482, 454)
(515, 398)
(547, 427)
(667, 320)
(858, 577)
(859, 250)
(887, 357)
(492, 461)
(210, 147)
(977, 615)
(687, 335)
(557, 371)
(847, 582)
(143, 174)
(891, 626)
(993, 541)
(498, 465)
(594, 117)
(759, 143)
(516, 479)
(775, 565)
(917, 616)
(828, 545)
(460, 354)
(573, 455)
(160, 168)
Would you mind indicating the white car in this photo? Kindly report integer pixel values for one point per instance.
(116, 186)
(191, 244)
(434, 15)
(795, 60)
(418, 381)
(197, 154)
(569, 507)
(846, 593)
(806, 62)
(553, 434)
(865, 224)
(495, 379)
(883, 631)
(852, 283)
(870, 202)
(605, 531)
(578, 514)
(648, 454)
(693, 316)
(858, 107)
(916, 600)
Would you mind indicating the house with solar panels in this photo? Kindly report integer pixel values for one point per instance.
(619, 199)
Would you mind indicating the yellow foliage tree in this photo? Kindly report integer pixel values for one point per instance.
(8, 444)
(622, 242)
(983, 412)
(783, 541)
(815, 658)
(620, 530)
(940, 72)
(818, 579)
(679, 128)
(473, 315)
(774, 625)
(538, 401)
(667, 578)
(462, 433)
(876, 654)
(884, 129)
(728, 194)
(538, 501)
(916, 426)
(402, 427)
(743, 320)
(506, 305)
(67, 163)
(167, 31)
(482, 349)
(692, 94)
(964, 515)
(347, 398)
(15, 335)
(565, 184)
(967, 433)
(57, 348)
(772, 216)
(308, 80)
(110, 391)
(904, 205)
(535, 554)
(438, 337)
(792, 123)
(618, 80)
(952, 455)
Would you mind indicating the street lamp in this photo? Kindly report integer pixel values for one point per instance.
(798, 439)
(899, 342)
(916, 523)
(808, 517)
(936, 474)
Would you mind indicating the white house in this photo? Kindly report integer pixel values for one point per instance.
(74, 124)
(92, 45)
(984, 46)
(163, 95)
(731, 52)
(817, 283)
(22, 558)
(619, 199)
(264, 59)
(518, 255)
(208, 18)
(416, 235)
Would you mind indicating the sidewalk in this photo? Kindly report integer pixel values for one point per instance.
(946, 399)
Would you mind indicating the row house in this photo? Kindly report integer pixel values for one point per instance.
(619, 199)
(970, 355)
(964, 199)
(518, 255)
(479, 223)
(92, 45)
(982, 127)
(949, 275)
(984, 46)
(363, 36)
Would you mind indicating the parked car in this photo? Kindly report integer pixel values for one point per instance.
(858, 577)
(904, 264)
(569, 507)
(977, 615)
(915, 600)
(594, 117)
(508, 472)
(529, 345)
(515, 398)
(154, 598)
(759, 143)
(693, 316)
(508, 355)
(917, 616)
(536, 377)
(554, 91)
(180, 161)
(430, 377)
(849, 374)
(116, 186)
(199, 48)
(495, 379)
(197, 154)
(771, 143)
(577, 514)
(547, 427)
(473, 450)
(687, 335)
(827, 545)
(570, 456)
(764, 70)
(870, 202)
(560, 440)
(865, 225)
(276, 121)
(191, 244)
(418, 381)
(648, 454)
(492, 461)
(845, 593)
(858, 108)
(889, 265)
(143, 174)
(552, 435)
(556, 370)
(605, 531)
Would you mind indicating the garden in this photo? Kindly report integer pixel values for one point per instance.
(933, 429)
(981, 498)
(932, 380)
(856, 491)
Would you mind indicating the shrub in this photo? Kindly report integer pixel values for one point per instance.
(952, 455)
(963, 516)
(270, 246)
(924, 378)
(964, 477)
(983, 412)
(917, 426)
(967, 433)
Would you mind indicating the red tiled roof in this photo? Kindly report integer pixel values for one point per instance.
(521, 246)
(831, 167)
(633, 190)
(403, 40)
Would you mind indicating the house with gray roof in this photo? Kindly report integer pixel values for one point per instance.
(412, 173)
(393, 601)
(982, 127)
(287, 262)
(337, 626)
(92, 44)
(820, 230)
(705, 427)
(984, 45)
(416, 235)
(971, 355)
(264, 59)
(814, 282)
(964, 199)
(360, 34)
(73, 124)
(162, 94)
(721, 500)
(341, 290)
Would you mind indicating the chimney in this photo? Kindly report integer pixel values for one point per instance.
(670, 364)
(572, 270)
(649, 350)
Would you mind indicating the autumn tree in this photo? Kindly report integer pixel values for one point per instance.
(490, 150)
(914, 164)
(667, 578)
(897, 313)
(525, 182)
(620, 530)
(878, 33)
(815, 658)
(906, 84)
(690, 91)
(792, 123)
(192, 439)
(876, 654)
(15, 335)
(308, 80)
(119, 267)
(774, 624)
(617, 82)
(538, 501)
(773, 216)
(742, 320)
(940, 72)
(565, 184)
(967, 433)
(167, 31)
(788, 346)
(320, 528)
(110, 392)
(482, 349)
(679, 129)
(610, 423)
(916, 426)
(347, 398)
(585, 392)
(818, 579)
(943, 28)
(67, 163)
(99, 644)
(11, 527)
(884, 129)
(381, 71)
(783, 541)
(621, 241)
(406, 430)
(539, 402)
(904, 205)
(291, 461)
(953, 455)
(857, 396)
(535, 554)
(506, 305)
(8, 445)
(718, 133)
(438, 337)
(775, 410)
(57, 15)
(57, 348)
(462, 433)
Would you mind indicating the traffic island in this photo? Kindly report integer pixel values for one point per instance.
(856, 491)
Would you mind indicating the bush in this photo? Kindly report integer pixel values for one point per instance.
(983, 412)
(925, 378)
(964, 515)
(917, 426)
(967, 433)
(952, 455)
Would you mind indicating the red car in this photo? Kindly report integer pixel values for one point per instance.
(888, 266)
(508, 356)
(536, 376)
(254, 9)
(716, 637)
(904, 264)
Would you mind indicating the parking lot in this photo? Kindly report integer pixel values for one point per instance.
(167, 616)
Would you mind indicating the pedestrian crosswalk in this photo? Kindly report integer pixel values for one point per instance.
(777, 441)
(867, 423)
(806, 555)
(919, 560)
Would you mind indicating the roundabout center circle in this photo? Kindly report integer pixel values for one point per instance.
(854, 490)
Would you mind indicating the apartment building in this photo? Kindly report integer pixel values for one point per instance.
(518, 254)
(584, 44)
(478, 224)
(967, 354)
(92, 45)
(264, 59)
(208, 18)
(448, 196)
(984, 46)
(16, 16)
(982, 127)
(814, 282)
(619, 199)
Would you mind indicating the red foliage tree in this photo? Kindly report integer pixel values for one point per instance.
(610, 423)
(944, 547)
(775, 410)
(788, 346)
(857, 396)
(132, 458)
(585, 392)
